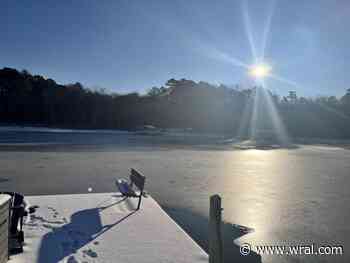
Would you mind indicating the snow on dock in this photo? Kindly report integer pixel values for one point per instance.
(103, 227)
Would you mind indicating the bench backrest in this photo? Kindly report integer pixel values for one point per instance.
(137, 179)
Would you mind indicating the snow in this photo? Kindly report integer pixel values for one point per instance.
(58, 130)
(4, 198)
(103, 227)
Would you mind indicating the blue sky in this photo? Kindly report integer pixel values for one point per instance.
(133, 45)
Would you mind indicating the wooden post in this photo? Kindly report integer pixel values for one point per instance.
(215, 240)
(4, 227)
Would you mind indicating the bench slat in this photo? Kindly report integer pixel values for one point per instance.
(137, 178)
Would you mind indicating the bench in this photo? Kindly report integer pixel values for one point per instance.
(137, 180)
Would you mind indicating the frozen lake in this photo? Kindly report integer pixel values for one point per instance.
(297, 196)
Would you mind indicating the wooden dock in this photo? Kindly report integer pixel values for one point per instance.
(103, 227)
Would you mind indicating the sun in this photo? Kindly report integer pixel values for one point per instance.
(260, 71)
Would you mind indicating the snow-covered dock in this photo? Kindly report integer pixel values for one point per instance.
(103, 228)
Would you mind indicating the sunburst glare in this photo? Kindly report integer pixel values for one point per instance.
(260, 70)
(265, 121)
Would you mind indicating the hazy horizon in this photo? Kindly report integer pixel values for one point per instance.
(125, 47)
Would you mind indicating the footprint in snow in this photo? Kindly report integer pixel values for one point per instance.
(72, 259)
(90, 253)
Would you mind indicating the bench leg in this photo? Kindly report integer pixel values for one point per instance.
(138, 205)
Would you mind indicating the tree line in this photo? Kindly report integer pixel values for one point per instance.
(27, 99)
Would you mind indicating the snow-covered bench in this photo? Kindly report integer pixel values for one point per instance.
(127, 188)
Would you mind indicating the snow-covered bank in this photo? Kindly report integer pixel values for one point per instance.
(57, 130)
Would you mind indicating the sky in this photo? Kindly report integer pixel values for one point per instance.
(126, 46)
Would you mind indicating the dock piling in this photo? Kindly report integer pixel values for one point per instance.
(215, 240)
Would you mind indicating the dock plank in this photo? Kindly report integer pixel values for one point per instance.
(104, 228)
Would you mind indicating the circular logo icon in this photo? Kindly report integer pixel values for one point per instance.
(244, 249)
